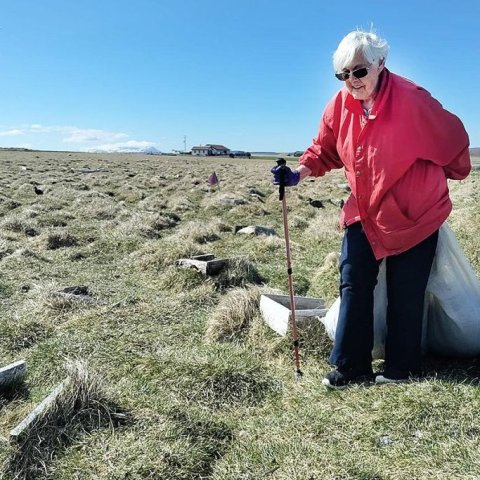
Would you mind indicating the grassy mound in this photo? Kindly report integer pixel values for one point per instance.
(81, 407)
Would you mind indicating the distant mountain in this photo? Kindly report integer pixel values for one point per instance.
(128, 149)
(475, 151)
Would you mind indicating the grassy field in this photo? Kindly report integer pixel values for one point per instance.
(184, 379)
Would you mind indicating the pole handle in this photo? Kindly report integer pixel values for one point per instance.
(282, 163)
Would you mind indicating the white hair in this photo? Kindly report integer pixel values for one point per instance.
(369, 44)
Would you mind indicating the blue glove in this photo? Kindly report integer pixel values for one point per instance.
(283, 175)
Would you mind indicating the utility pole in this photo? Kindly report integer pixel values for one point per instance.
(184, 144)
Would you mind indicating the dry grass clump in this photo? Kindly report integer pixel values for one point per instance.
(90, 196)
(15, 337)
(24, 190)
(106, 211)
(315, 343)
(12, 204)
(28, 253)
(298, 222)
(232, 387)
(17, 224)
(45, 300)
(234, 314)
(61, 240)
(31, 212)
(249, 210)
(219, 225)
(147, 224)
(199, 232)
(153, 203)
(179, 203)
(81, 407)
(324, 226)
(130, 194)
(223, 200)
(5, 249)
(239, 272)
(55, 219)
(325, 280)
(270, 243)
(218, 376)
(166, 252)
(178, 280)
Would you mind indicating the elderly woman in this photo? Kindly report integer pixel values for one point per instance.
(398, 147)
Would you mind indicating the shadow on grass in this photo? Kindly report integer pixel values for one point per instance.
(453, 370)
(229, 389)
(12, 392)
(209, 441)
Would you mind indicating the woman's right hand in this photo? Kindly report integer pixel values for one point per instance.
(283, 175)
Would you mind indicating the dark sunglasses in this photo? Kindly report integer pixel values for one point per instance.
(358, 73)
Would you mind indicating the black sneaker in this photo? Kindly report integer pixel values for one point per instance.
(336, 380)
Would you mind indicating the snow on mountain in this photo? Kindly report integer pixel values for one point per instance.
(127, 147)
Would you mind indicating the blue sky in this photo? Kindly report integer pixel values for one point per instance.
(250, 74)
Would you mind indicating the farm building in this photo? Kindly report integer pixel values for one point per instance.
(210, 150)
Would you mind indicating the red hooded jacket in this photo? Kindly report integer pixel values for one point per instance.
(396, 162)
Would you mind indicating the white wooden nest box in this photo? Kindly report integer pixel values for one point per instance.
(276, 311)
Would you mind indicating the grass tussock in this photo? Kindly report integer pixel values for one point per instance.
(61, 240)
(178, 280)
(46, 302)
(208, 441)
(18, 336)
(231, 387)
(147, 224)
(233, 315)
(198, 232)
(5, 249)
(324, 226)
(325, 280)
(216, 377)
(166, 252)
(239, 272)
(55, 220)
(81, 407)
(20, 225)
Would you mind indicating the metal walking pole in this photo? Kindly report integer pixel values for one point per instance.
(298, 373)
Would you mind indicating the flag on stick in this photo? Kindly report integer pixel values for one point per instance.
(213, 179)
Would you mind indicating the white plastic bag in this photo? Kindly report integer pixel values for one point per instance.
(453, 320)
(451, 323)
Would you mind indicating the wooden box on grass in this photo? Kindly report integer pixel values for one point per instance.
(276, 311)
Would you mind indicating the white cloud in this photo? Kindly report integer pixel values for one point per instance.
(36, 128)
(73, 134)
(86, 139)
(81, 135)
(12, 132)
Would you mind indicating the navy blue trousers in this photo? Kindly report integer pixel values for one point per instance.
(407, 277)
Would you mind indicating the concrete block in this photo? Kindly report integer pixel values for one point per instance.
(277, 314)
(207, 264)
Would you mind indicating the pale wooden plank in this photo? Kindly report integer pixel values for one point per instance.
(28, 421)
(12, 373)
